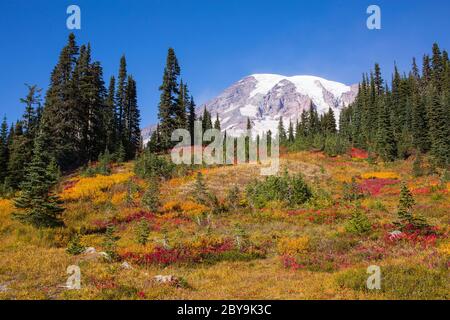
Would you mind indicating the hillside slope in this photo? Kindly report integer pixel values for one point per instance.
(268, 253)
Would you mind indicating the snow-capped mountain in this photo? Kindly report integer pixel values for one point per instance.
(264, 98)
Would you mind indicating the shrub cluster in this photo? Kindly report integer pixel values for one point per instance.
(291, 190)
(150, 165)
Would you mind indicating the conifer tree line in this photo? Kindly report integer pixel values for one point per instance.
(78, 120)
(409, 116)
(176, 108)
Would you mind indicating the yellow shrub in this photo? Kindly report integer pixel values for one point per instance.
(189, 208)
(293, 246)
(6, 206)
(171, 206)
(93, 187)
(444, 249)
(380, 175)
(202, 242)
(100, 198)
(193, 209)
(118, 198)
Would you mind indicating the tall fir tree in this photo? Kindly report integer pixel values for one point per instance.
(206, 120)
(110, 116)
(121, 100)
(439, 129)
(291, 132)
(437, 66)
(426, 71)
(60, 119)
(192, 117)
(168, 104)
(217, 123)
(37, 204)
(330, 122)
(132, 118)
(20, 153)
(281, 131)
(4, 150)
(182, 106)
(32, 103)
(385, 140)
(249, 124)
(378, 80)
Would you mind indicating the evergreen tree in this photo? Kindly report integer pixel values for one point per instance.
(201, 193)
(61, 119)
(386, 146)
(437, 67)
(419, 124)
(439, 127)
(110, 116)
(290, 132)
(96, 112)
(20, 153)
(30, 119)
(150, 199)
(415, 71)
(142, 232)
(426, 71)
(168, 101)
(191, 119)
(121, 100)
(4, 148)
(345, 123)
(249, 124)
(132, 118)
(182, 105)
(303, 125)
(206, 120)
(217, 123)
(281, 131)
(154, 145)
(378, 80)
(37, 204)
(330, 122)
(407, 220)
(314, 122)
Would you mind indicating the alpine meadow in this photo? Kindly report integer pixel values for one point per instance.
(93, 205)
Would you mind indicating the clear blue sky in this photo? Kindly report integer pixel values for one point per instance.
(217, 41)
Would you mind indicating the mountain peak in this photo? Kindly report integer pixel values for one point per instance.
(264, 98)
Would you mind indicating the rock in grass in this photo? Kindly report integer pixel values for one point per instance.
(171, 280)
(395, 234)
(90, 250)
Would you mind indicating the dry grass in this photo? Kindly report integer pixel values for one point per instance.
(33, 263)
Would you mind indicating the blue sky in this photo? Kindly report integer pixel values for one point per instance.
(217, 41)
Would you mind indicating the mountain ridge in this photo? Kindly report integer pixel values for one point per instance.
(264, 98)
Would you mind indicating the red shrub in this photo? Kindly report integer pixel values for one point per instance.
(374, 186)
(139, 216)
(359, 153)
(160, 256)
(291, 263)
(426, 237)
